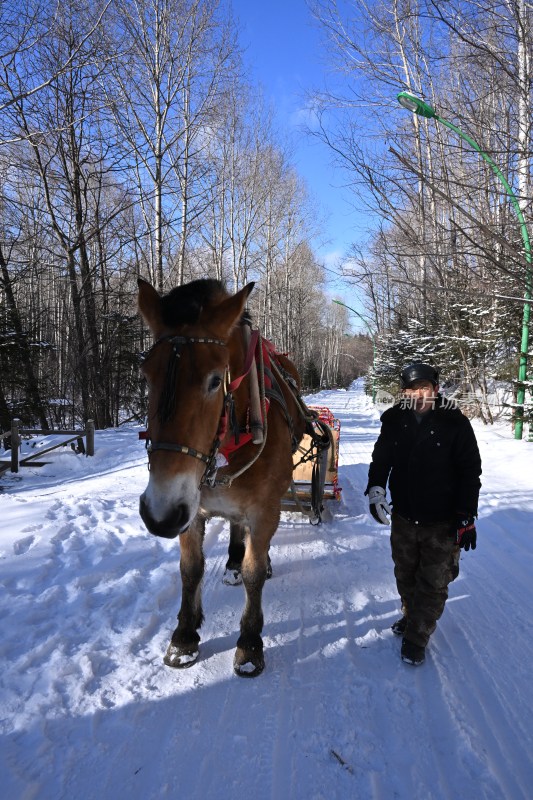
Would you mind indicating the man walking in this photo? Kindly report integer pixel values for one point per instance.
(427, 451)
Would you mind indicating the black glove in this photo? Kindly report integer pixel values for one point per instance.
(466, 531)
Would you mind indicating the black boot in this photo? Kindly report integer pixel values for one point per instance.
(413, 653)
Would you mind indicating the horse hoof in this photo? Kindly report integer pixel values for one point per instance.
(232, 577)
(180, 657)
(248, 664)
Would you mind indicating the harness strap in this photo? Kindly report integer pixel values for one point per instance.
(179, 340)
(177, 448)
(250, 355)
(227, 480)
(275, 393)
(308, 415)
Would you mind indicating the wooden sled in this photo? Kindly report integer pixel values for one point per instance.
(316, 464)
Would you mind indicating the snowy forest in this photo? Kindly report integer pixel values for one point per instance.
(133, 144)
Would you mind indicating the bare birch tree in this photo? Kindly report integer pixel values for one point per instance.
(176, 58)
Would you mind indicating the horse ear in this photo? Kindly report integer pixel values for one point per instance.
(222, 318)
(149, 305)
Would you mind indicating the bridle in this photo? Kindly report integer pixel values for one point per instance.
(209, 460)
(209, 475)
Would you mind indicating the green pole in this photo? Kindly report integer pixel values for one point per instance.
(357, 314)
(423, 109)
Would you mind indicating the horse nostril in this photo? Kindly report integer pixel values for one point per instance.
(181, 516)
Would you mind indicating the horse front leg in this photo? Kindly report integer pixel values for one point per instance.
(236, 549)
(249, 660)
(183, 649)
(232, 572)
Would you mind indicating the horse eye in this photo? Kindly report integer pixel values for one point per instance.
(214, 383)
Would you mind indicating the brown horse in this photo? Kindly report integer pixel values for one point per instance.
(198, 379)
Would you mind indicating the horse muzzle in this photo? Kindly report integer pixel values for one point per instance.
(176, 520)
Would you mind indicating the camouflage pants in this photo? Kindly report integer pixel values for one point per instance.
(426, 560)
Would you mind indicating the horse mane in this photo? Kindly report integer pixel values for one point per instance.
(183, 305)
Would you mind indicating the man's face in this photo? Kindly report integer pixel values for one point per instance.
(421, 395)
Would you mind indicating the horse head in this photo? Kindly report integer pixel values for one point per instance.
(187, 374)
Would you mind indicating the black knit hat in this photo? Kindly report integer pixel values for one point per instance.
(418, 372)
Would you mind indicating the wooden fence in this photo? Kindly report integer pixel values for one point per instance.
(16, 435)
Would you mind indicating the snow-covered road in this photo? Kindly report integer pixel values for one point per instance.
(89, 599)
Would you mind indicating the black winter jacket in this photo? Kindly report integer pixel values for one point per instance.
(432, 466)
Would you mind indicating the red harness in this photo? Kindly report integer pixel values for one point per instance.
(236, 441)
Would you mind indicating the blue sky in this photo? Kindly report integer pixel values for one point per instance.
(284, 53)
